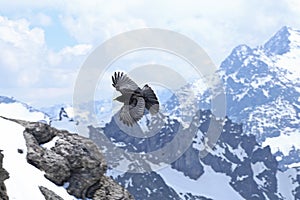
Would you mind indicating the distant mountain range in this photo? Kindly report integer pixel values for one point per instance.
(257, 155)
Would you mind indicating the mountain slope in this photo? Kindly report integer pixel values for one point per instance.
(239, 166)
(263, 92)
(258, 141)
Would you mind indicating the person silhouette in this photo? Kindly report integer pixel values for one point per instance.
(62, 113)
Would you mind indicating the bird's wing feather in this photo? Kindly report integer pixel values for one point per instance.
(130, 114)
(125, 115)
(151, 101)
(123, 83)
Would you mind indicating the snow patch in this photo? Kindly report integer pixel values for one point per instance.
(291, 62)
(241, 178)
(258, 168)
(260, 81)
(284, 142)
(294, 165)
(19, 111)
(210, 184)
(51, 143)
(286, 183)
(238, 152)
(128, 183)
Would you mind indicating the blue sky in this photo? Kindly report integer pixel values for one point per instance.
(43, 44)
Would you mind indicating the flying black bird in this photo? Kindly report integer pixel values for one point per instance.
(135, 99)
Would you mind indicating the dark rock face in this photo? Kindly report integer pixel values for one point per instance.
(165, 135)
(297, 189)
(3, 176)
(189, 196)
(109, 190)
(189, 164)
(226, 158)
(250, 167)
(38, 130)
(56, 167)
(141, 183)
(70, 160)
(48, 194)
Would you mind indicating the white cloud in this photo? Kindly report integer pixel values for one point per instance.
(14, 5)
(92, 26)
(218, 26)
(27, 64)
(18, 33)
(69, 56)
(21, 45)
(77, 50)
(42, 19)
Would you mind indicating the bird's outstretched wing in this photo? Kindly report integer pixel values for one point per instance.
(130, 114)
(151, 101)
(123, 84)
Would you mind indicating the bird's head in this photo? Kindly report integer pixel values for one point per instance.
(120, 98)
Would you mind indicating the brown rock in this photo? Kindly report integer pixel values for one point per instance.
(3, 176)
(74, 160)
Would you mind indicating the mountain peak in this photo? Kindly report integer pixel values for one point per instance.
(236, 58)
(283, 41)
(241, 50)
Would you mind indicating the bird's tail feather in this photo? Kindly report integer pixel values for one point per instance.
(151, 101)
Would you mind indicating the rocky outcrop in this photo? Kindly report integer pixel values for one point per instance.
(69, 160)
(110, 190)
(3, 176)
(48, 194)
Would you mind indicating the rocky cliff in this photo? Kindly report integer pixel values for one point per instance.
(68, 160)
(3, 176)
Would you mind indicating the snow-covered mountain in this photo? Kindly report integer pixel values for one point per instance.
(237, 168)
(257, 155)
(263, 92)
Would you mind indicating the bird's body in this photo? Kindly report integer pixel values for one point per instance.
(135, 99)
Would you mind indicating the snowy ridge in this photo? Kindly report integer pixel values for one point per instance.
(211, 184)
(263, 90)
(289, 62)
(12, 108)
